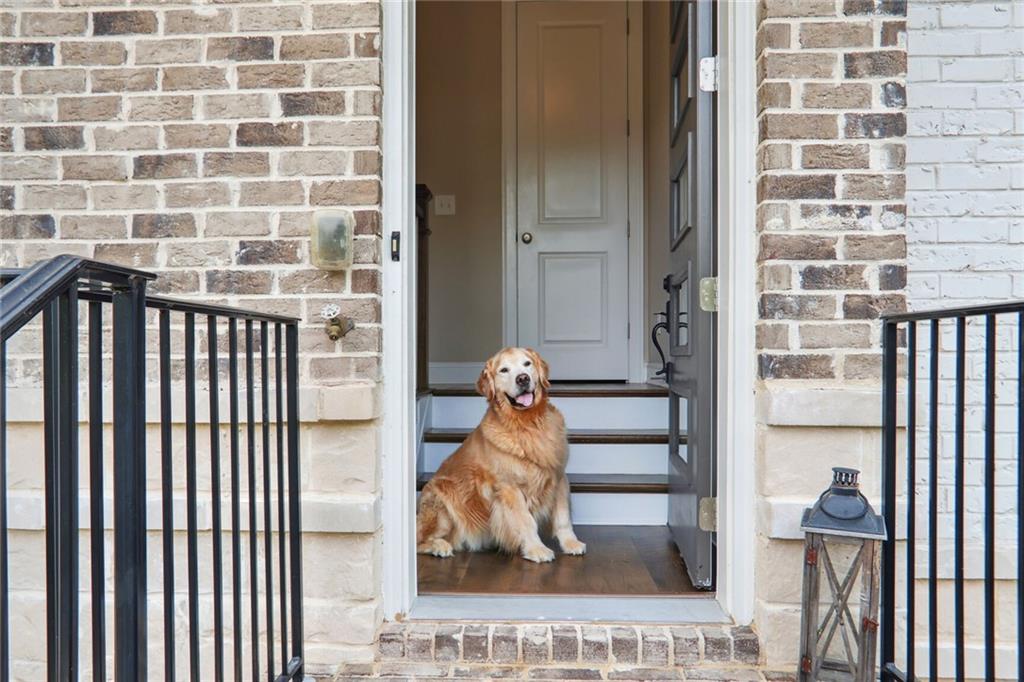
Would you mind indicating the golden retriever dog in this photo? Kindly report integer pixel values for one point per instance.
(507, 479)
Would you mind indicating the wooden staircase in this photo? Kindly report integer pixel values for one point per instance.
(618, 438)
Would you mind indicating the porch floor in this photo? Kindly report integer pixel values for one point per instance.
(620, 560)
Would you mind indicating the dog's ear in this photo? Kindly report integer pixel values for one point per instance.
(485, 383)
(542, 368)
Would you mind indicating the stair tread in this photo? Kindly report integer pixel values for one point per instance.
(636, 436)
(600, 483)
(568, 390)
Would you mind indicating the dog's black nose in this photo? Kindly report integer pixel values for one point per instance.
(523, 380)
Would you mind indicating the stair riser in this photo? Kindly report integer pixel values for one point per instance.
(465, 412)
(618, 509)
(584, 458)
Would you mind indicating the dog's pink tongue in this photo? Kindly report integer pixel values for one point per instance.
(525, 399)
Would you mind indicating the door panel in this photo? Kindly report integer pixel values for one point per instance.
(692, 257)
(572, 186)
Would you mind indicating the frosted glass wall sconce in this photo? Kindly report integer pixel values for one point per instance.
(331, 243)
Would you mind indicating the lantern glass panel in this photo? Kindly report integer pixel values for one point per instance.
(839, 616)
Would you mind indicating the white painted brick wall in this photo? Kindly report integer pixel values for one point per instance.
(965, 245)
(965, 151)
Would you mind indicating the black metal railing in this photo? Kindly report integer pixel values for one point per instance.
(266, 642)
(962, 449)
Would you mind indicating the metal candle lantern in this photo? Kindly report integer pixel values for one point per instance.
(842, 549)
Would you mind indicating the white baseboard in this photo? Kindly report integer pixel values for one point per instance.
(455, 372)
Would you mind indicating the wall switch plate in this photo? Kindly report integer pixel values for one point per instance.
(444, 204)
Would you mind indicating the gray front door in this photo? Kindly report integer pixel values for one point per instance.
(692, 251)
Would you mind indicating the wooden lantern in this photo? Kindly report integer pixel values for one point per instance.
(842, 548)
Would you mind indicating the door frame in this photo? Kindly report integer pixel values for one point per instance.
(737, 114)
(637, 371)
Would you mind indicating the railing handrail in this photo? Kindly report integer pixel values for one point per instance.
(26, 295)
(32, 288)
(950, 313)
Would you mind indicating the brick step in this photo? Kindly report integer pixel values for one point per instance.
(567, 652)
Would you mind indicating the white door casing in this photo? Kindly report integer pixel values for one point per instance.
(736, 201)
(573, 174)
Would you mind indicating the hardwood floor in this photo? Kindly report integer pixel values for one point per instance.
(620, 560)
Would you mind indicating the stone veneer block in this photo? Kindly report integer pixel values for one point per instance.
(565, 643)
(474, 642)
(595, 644)
(654, 649)
(624, 645)
(448, 642)
(536, 644)
(685, 645)
(505, 644)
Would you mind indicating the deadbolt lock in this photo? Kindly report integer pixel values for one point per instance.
(527, 237)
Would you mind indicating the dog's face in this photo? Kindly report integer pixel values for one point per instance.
(516, 377)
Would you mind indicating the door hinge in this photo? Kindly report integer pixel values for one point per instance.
(627, 26)
(627, 127)
(709, 294)
(707, 514)
(628, 330)
(709, 74)
(629, 229)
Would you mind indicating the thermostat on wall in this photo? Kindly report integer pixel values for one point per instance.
(331, 240)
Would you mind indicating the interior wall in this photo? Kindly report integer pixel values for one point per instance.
(458, 152)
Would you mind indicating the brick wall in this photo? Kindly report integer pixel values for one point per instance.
(196, 141)
(831, 184)
(965, 148)
(831, 225)
(965, 245)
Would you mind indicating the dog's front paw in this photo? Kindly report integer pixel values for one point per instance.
(574, 546)
(438, 547)
(538, 553)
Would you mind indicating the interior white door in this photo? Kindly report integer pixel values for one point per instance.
(573, 186)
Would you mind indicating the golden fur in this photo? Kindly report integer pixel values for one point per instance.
(508, 476)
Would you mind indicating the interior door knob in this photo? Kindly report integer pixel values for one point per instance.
(527, 237)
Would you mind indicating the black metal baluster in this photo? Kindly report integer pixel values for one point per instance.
(190, 495)
(990, 497)
(129, 370)
(294, 501)
(1020, 494)
(889, 394)
(232, 380)
(911, 486)
(99, 642)
(60, 370)
(5, 613)
(236, 513)
(268, 542)
(167, 490)
(279, 433)
(933, 503)
(958, 504)
(218, 570)
(250, 442)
